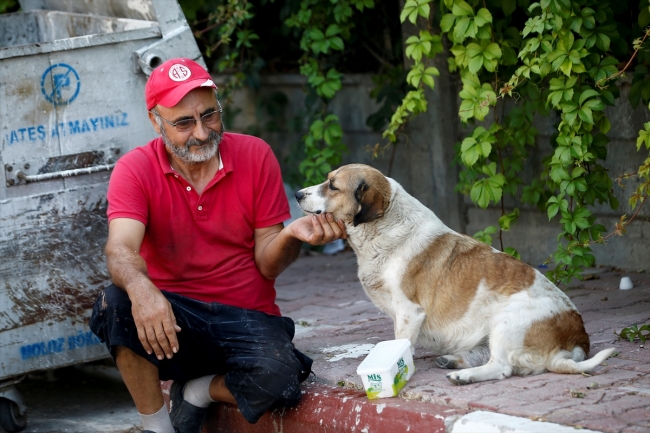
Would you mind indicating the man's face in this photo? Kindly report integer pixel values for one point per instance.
(201, 142)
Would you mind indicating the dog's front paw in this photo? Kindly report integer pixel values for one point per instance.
(457, 378)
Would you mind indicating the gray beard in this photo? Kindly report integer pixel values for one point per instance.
(207, 151)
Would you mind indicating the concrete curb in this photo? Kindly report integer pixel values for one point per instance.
(328, 409)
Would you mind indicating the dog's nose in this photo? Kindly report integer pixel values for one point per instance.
(299, 195)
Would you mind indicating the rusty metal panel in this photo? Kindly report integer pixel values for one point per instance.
(51, 272)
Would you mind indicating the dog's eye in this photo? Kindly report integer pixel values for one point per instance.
(332, 187)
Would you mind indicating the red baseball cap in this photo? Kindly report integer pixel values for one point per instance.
(172, 80)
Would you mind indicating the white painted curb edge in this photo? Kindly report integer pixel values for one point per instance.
(490, 422)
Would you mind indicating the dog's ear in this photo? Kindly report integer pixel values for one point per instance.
(371, 204)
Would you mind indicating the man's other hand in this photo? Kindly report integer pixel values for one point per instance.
(155, 322)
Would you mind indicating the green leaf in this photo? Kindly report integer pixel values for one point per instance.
(586, 115)
(483, 16)
(415, 75)
(475, 64)
(508, 6)
(507, 220)
(336, 43)
(413, 8)
(473, 149)
(447, 22)
(566, 66)
(332, 30)
(513, 252)
(461, 8)
(460, 29)
(587, 94)
(559, 173)
(409, 12)
(477, 98)
(492, 51)
(644, 17)
(410, 7)
(342, 12)
(316, 129)
(644, 137)
(484, 235)
(484, 54)
(594, 104)
(533, 6)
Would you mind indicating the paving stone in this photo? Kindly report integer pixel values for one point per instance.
(640, 416)
(568, 416)
(636, 429)
(541, 409)
(618, 404)
(613, 375)
(609, 424)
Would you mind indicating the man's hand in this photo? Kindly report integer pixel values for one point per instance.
(155, 321)
(277, 246)
(318, 229)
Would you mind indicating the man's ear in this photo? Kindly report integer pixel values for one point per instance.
(154, 123)
(371, 204)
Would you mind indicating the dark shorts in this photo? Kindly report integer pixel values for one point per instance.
(252, 349)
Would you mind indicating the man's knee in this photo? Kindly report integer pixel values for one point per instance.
(277, 376)
(113, 296)
(112, 321)
(260, 390)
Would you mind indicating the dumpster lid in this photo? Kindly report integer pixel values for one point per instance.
(133, 9)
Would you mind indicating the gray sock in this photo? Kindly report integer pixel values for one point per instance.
(197, 391)
(158, 422)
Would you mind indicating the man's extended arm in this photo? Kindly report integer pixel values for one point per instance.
(152, 312)
(277, 247)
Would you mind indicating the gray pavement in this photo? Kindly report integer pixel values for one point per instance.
(85, 398)
(337, 325)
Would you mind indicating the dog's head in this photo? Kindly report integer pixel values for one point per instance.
(354, 193)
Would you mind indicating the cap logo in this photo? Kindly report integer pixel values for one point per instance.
(179, 72)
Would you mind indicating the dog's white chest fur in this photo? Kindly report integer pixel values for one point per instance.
(384, 260)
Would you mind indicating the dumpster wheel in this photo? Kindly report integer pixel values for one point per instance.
(10, 418)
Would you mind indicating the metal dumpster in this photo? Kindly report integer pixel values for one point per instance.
(72, 77)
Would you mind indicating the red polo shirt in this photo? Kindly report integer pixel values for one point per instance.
(202, 246)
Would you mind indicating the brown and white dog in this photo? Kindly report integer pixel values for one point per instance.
(482, 310)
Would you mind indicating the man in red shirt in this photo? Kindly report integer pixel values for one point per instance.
(195, 242)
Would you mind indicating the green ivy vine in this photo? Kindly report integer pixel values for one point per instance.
(559, 61)
(516, 59)
(325, 26)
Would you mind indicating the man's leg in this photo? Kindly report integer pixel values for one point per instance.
(141, 379)
(203, 391)
(113, 323)
(219, 391)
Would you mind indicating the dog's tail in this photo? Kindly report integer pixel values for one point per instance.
(561, 364)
